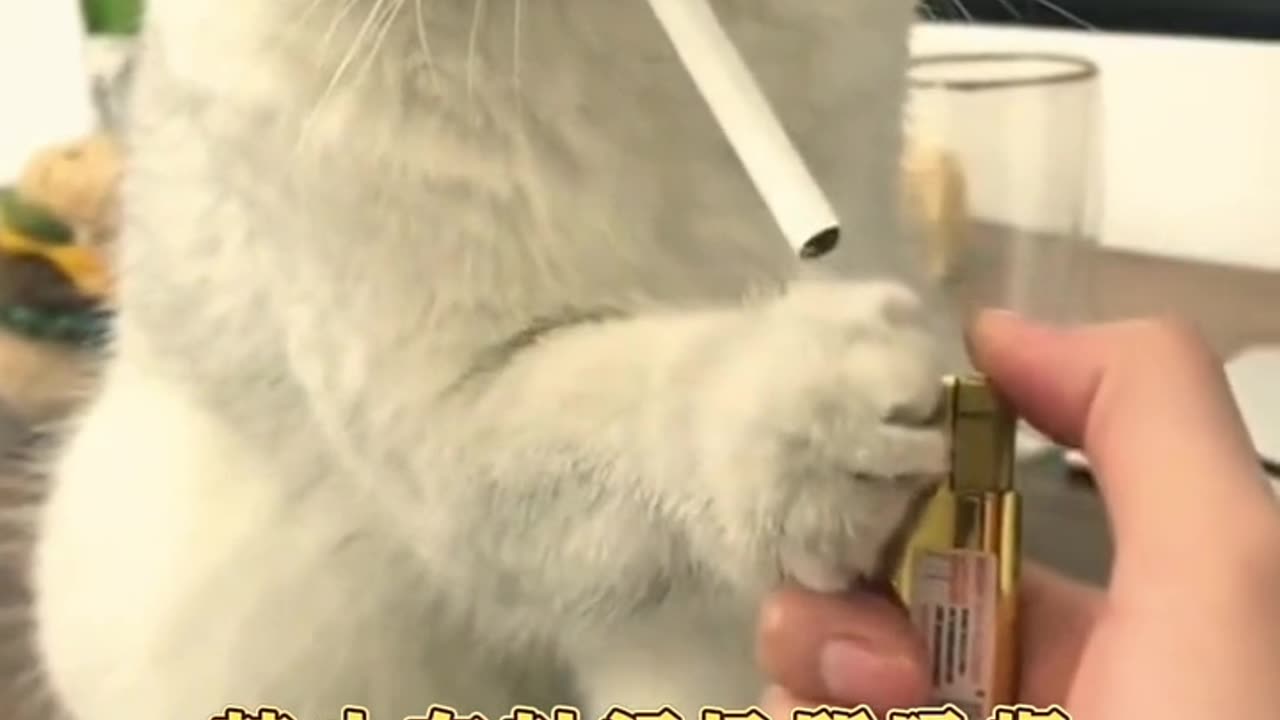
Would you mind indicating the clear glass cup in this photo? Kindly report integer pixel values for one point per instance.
(1002, 165)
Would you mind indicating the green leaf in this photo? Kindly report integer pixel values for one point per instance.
(33, 221)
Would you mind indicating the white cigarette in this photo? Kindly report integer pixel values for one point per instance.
(780, 175)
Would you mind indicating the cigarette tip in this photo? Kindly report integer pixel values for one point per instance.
(821, 243)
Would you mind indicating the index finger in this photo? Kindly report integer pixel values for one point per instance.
(1149, 405)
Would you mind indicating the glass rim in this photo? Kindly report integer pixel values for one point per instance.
(1072, 69)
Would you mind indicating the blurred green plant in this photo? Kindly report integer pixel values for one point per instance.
(112, 17)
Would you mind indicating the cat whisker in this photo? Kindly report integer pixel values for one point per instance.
(340, 72)
(356, 45)
(306, 13)
(473, 40)
(956, 9)
(515, 49)
(420, 19)
(964, 11)
(343, 11)
(1065, 14)
(1013, 11)
(380, 37)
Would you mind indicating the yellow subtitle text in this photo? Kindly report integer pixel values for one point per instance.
(520, 712)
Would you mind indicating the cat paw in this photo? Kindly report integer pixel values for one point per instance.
(827, 443)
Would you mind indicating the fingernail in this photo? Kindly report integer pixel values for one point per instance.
(985, 315)
(1004, 312)
(847, 667)
(998, 314)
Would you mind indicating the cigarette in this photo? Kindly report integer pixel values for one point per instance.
(775, 167)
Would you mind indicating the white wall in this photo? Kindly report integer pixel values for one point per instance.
(1191, 135)
(44, 95)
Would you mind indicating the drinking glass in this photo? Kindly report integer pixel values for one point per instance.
(1002, 162)
(1002, 149)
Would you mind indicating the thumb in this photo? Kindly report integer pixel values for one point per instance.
(1056, 619)
(1150, 407)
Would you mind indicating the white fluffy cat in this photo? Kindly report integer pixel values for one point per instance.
(458, 362)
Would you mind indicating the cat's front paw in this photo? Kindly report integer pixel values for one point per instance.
(827, 444)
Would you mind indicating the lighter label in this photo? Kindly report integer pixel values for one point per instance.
(954, 606)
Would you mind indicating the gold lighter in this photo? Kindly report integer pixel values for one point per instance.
(959, 575)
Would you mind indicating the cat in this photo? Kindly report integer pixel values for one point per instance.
(458, 362)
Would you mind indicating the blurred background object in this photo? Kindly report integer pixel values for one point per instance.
(65, 66)
(112, 27)
(46, 91)
(112, 17)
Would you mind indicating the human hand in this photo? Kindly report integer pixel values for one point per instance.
(1190, 624)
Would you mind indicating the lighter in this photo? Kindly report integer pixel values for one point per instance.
(959, 575)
